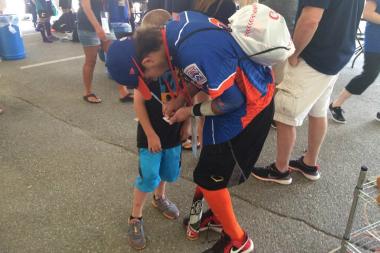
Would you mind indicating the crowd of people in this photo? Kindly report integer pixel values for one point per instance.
(177, 71)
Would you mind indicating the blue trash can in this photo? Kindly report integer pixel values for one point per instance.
(11, 42)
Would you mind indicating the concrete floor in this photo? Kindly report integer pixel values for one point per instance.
(67, 169)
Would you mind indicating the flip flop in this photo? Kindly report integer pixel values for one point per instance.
(127, 98)
(187, 145)
(92, 95)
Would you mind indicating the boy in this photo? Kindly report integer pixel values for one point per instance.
(158, 142)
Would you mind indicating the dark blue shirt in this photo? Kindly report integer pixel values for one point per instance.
(97, 7)
(334, 41)
(288, 9)
(372, 34)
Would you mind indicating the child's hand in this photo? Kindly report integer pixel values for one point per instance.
(169, 108)
(181, 115)
(154, 143)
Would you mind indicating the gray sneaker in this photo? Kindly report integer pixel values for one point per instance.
(136, 236)
(166, 207)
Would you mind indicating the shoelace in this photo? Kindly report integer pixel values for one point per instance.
(339, 109)
(275, 170)
(164, 204)
(136, 228)
(223, 241)
(303, 163)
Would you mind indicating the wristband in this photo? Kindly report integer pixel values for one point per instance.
(196, 110)
(206, 108)
(203, 109)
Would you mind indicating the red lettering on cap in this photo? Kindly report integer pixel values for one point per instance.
(132, 71)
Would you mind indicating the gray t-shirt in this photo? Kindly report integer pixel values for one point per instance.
(287, 8)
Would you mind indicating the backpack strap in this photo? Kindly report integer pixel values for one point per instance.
(263, 52)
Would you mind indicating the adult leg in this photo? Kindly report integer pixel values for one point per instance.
(234, 238)
(294, 100)
(42, 29)
(48, 27)
(91, 54)
(48, 30)
(286, 139)
(316, 136)
(370, 72)
(360, 83)
(220, 203)
(307, 164)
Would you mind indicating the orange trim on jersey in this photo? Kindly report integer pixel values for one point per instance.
(225, 85)
(256, 103)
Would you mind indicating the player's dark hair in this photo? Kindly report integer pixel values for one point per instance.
(147, 40)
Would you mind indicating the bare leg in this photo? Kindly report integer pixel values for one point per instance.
(123, 91)
(317, 133)
(343, 96)
(91, 54)
(159, 193)
(139, 199)
(286, 138)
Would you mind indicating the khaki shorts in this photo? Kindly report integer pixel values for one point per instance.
(278, 71)
(304, 91)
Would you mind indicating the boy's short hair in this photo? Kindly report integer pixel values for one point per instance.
(147, 40)
(155, 18)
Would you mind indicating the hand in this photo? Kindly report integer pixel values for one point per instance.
(101, 34)
(169, 108)
(181, 115)
(154, 143)
(294, 60)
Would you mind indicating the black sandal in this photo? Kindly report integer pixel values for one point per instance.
(127, 98)
(92, 95)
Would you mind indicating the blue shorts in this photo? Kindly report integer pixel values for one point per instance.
(91, 39)
(157, 167)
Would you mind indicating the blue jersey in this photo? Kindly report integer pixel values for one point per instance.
(213, 61)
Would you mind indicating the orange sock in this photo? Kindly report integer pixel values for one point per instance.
(220, 203)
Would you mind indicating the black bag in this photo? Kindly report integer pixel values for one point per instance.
(66, 22)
